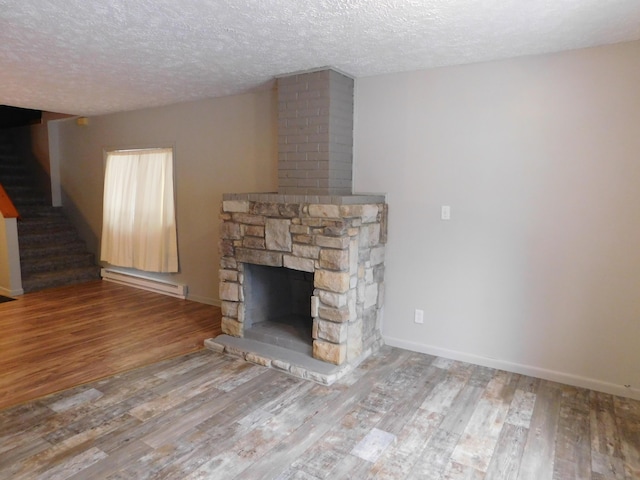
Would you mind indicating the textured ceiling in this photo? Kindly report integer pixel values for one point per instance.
(97, 56)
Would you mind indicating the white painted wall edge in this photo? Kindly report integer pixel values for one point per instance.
(552, 375)
(53, 130)
(10, 229)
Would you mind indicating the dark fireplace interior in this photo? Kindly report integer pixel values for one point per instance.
(278, 306)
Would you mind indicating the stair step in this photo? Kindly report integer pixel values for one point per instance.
(62, 237)
(40, 211)
(16, 180)
(52, 263)
(50, 250)
(36, 216)
(10, 159)
(21, 191)
(10, 170)
(7, 169)
(21, 202)
(40, 281)
(46, 225)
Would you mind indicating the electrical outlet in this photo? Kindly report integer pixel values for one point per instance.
(419, 316)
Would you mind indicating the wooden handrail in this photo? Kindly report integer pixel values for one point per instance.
(7, 208)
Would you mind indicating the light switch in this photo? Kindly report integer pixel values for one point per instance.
(445, 212)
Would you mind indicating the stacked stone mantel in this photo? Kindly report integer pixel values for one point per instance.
(340, 239)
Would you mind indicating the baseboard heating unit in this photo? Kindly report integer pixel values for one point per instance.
(145, 283)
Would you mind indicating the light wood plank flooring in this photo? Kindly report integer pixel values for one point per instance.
(63, 337)
(400, 415)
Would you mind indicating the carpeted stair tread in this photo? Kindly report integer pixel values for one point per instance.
(36, 218)
(70, 276)
(56, 262)
(18, 179)
(8, 157)
(18, 187)
(45, 226)
(21, 202)
(48, 250)
(25, 197)
(8, 171)
(40, 211)
(46, 238)
(34, 229)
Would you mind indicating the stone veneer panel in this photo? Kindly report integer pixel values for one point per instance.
(342, 243)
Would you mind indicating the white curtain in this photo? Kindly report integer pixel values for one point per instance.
(138, 224)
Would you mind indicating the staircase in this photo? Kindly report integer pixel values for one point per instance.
(51, 251)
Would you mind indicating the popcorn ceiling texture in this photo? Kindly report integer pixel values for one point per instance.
(98, 56)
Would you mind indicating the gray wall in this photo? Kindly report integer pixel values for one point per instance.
(538, 270)
(220, 145)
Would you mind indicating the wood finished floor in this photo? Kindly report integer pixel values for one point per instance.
(63, 337)
(400, 415)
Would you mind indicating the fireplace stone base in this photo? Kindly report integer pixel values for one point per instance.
(339, 239)
(285, 360)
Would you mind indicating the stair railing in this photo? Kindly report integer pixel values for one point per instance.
(7, 208)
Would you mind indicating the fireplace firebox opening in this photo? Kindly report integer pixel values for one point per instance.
(278, 306)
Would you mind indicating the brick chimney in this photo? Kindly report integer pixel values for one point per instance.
(315, 133)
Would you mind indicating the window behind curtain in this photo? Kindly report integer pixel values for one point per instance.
(138, 224)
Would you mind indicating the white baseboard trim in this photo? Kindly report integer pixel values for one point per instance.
(5, 292)
(145, 283)
(552, 375)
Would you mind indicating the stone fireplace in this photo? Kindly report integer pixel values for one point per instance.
(302, 270)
